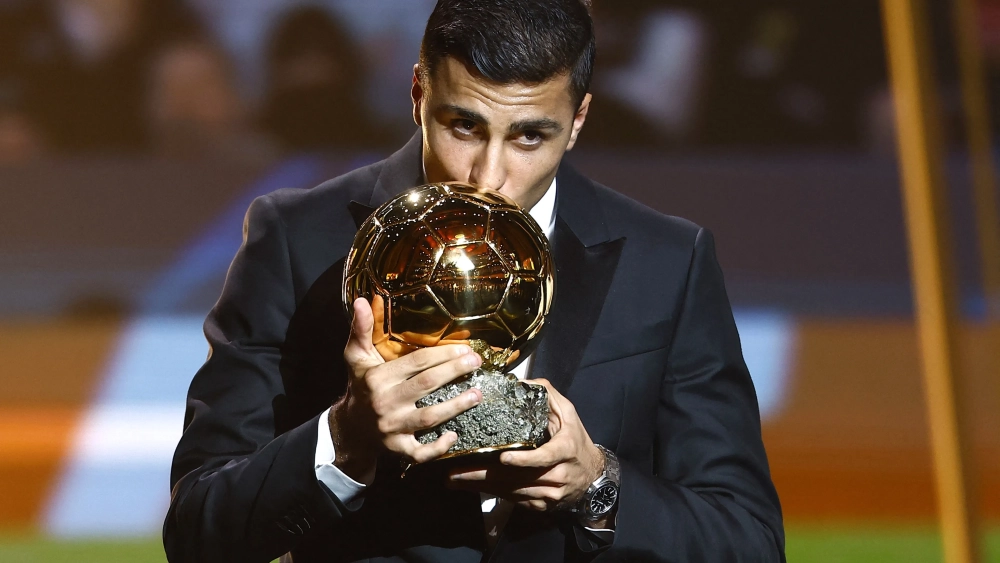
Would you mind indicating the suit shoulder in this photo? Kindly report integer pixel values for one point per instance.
(294, 204)
(629, 218)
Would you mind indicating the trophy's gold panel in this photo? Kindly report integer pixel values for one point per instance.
(450, 262)
(470, 280)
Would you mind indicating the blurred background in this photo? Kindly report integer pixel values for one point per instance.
(135, 133)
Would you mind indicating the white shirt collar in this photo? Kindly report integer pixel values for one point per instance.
(544, 212)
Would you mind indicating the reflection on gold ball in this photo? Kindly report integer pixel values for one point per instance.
(448, 262)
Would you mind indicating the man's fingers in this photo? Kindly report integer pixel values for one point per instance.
(552, 495)
(363, 323)
(424, 359)
(422, 453)
(545, 383)
(459, 361)
(506, 477)
(558, 405)
(546, 455)
(556, 399)
(536, 505)
(429, 417)
(542, 497)
(359, 346)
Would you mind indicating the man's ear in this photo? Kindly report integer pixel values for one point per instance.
(417, 95)
(578, 120)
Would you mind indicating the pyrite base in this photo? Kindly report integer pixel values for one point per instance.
(512, 415)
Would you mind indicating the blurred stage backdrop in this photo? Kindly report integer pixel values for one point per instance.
(135, 133)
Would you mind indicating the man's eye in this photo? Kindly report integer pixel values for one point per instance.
(531, 138)
(465, 126)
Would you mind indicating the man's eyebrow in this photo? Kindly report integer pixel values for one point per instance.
(465, 113)
(543, 124)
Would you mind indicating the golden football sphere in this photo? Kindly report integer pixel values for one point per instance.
(448, 262)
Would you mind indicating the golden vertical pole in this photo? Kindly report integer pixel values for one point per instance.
(920, 159)
(977, 126)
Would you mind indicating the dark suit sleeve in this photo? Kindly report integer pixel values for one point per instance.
(238, 492)
(711, 498)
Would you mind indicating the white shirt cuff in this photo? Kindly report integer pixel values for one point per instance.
(346, 489)
(604, 534)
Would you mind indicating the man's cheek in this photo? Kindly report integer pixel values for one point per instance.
(456, 162)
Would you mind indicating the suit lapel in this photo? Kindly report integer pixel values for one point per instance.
(585, 265)
(583, 276)
(401, 171)
(359, 212)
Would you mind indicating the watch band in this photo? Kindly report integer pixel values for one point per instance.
(602, 495)
(612, 467)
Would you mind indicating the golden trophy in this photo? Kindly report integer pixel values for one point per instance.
(449, 263)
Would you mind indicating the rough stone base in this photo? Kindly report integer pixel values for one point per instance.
(512, 412)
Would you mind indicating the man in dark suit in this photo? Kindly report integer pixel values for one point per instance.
(656, 452)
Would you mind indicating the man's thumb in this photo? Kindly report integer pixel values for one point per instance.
(361, 328)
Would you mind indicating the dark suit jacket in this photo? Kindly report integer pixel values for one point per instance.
(641, 339)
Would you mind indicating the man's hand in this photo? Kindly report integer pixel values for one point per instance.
(553, 476)
(378, 412)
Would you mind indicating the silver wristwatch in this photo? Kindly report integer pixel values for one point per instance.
(602, 495)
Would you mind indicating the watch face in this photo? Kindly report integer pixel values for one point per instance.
(604, 499)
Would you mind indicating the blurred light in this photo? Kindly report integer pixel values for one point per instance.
(769, 340)
(116, 482)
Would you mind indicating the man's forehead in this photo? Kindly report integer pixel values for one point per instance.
(458, 85)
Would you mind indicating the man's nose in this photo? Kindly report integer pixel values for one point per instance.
(490, 169)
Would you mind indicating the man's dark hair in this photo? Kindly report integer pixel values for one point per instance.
(508, 41)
